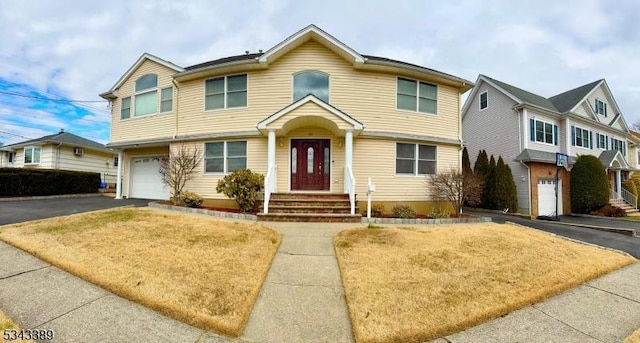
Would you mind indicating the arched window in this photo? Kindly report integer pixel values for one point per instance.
(311, 82)
(146, 97)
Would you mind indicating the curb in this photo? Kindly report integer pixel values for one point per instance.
(211, 213)
(626, 232)
(426, 221)
(42, 197)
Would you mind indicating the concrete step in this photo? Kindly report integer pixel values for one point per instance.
(305, 196)
(343, 209)
(310, 217)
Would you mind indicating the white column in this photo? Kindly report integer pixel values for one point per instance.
(567, 136)
(271, 149)
(619, 183)
(525, 129)
(348, 152)
(119, 176)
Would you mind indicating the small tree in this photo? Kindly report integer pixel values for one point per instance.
(490, 183)
(589, 184)
(178, 168)
(457, 188)
(480, 168)
(243, 186)
(504, 193)
(466, 163)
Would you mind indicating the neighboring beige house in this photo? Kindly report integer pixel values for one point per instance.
(311, 114)
(62, 150)
(634, 150)
(527, 130)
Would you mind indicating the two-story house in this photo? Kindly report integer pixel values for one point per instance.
(527, 130)
(62, 150)
(310, 113)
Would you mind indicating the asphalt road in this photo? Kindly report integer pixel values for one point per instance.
(25, 210)
(612, 240)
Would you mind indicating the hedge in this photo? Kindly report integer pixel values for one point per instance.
(31, 182)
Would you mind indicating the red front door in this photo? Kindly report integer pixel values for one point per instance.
(310, 163)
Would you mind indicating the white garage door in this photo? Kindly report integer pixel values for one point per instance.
(145, 181)
(547, 197)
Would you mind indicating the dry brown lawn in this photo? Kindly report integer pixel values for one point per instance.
(412, 285)
(200, 270)
(633, 338)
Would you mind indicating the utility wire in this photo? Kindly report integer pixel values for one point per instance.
(13, 134)
(50, 99)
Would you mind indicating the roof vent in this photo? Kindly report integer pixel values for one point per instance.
(246, 52)
(260, 51)
(61, 131)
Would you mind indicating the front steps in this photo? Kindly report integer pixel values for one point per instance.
(309, 207)
(629, 210)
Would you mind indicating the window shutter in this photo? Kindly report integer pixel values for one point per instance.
(532, 130)
(555, 134)
(605, 110)
(606, 139)
(590, 139)
(573, 135)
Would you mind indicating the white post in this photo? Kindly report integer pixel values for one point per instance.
(369, 199)
(619, 184)
(348, 152)
(271, 149)
(119, 176)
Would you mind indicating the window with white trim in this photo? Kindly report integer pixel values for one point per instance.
(581, 137)
(484, 100)
(225, 157)
(32, 155)
(166, 99)
(311, 82)
(617, 144)
(601, 107)
(125, 108)
(225, 92)
(417, 96)
(602, 141)
(415, 159)
(543, 132)
(146, 96)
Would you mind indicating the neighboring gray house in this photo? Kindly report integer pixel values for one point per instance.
(527, 130)
(62, 150)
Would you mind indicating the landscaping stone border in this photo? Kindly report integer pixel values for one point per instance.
(219, 214)
(426, 221)
(38, 197)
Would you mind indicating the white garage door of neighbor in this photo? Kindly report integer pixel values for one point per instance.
(145, 181)
(547, 197)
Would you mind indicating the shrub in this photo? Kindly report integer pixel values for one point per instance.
(32, 182)
(504, 194)
(630, 186)
(466, 163)
(438, 213)
(610, 211)
(377, 211)
(403, 211)
(190, 199)
(490, 184)
(589, 184)
(636, 179)
(243, 186)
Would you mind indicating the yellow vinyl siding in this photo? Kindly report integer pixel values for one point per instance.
(149, 126)
(204, 184)
(367, 96)
(375, 158)
(129, 154)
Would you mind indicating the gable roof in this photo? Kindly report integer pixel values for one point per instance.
(609, 156)
(524, 96)
(65, 138)
(144, 57)
(568, 100)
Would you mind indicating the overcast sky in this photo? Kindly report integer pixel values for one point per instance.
(74, 50)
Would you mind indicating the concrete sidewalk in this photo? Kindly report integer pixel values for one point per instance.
(302, 299)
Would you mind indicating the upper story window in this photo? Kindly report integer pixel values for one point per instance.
(415, 159)
(617, 144)
(601, 107)
(225, 92)
(125, 108)
(543, 132)
(146, 96)
(484, 100)
(32, 155)
(603, 141)
(416, 96)
(225, 157)
(581, 137)
(311, 82)
(166, 99)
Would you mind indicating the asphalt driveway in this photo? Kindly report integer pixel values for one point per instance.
(25, 210)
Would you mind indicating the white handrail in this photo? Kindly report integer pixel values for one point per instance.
(350, 186)
(629, 198)
(269, 186)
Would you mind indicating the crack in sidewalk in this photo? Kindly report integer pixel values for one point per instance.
(616, 294)
(73, 309)
(24, 272)
(567, 324)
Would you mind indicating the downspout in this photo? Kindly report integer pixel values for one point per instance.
(57, 166)
(522, 124)
(176, 106)
(528, 187)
